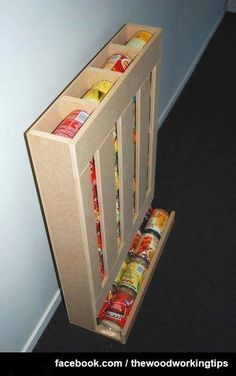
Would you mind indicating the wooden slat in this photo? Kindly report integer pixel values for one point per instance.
(153, 129)
(126, 169)
(104, 162)
(142, 127)
(90, 239)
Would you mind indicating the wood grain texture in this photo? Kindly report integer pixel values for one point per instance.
(104, 163)
(54, 173)
(88, 223)
(142, 129)
(126, 169)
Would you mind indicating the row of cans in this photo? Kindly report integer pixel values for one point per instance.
(118, 303)
(75, 120)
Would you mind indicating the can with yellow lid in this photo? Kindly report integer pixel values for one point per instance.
(98, 91)
(139, 39)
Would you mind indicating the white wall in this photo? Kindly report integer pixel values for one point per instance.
(43, 45)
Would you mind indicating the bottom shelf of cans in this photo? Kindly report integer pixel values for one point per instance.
(118, 312)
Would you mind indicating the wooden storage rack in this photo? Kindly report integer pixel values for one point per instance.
(61, 167)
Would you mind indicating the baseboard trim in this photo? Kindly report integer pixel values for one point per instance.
(189, 72)
(43, 322)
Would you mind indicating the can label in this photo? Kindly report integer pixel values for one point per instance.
(135, 243)
(139, 39)
(157, 222)
(118, 308)
(117, 63)
(97, 92)
(147, 247)
(71, 124)
(105, 306)
(120, 273)
(133, 276)
(96, 216)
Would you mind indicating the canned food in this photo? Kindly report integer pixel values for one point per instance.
(135, 243)
(156, 222)
(104, 306)
(116, 175)
(71, 124)
(139, 39)
(133, 275)
(117, 311)
(147, 247)
(96, 216)
(97, 92)
(117, 63)
(119, 274)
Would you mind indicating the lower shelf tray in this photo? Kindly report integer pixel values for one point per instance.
(123, 336)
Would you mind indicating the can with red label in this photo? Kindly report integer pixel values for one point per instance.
(117, 311)
(147, 247)
(156, 222)
(71, 124)
(135, 243)
(117, 63)
(104, 307)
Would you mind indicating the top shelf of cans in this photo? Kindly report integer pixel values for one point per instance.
(97, 80)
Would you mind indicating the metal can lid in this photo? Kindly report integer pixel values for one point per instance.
(126, 290)
(111, 325)
(143, 261)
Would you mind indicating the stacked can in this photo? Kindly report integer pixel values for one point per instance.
(117, 63)
(151, 236)
(98, 91)
(118, 303)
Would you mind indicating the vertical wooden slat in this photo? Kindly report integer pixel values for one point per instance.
(142, 126)
(126, 169)
(153, 128)
(104, 162)
(90, 240)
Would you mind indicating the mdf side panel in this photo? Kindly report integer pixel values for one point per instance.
(53, 169)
